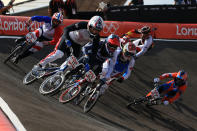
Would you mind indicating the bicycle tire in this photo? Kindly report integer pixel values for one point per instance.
(28, 75)
(55, 82)
(81, 96)
(91, 101)
(12, 54)
(86, 91)
(137, 101)
(68, 95)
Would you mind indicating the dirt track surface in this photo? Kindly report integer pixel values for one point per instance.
(45, 113)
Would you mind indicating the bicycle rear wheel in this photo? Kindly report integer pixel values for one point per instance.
(69, 94)
(51, 84)
(13, 54)
(91, 101)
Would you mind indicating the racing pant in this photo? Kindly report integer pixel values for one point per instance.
(59, 51)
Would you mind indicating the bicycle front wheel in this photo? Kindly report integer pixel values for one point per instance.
(13, 54)
(137, 101)
(91, 101)
(51, 84)
(29, 78)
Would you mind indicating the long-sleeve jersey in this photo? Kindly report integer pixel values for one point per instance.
(143, 45)
(79, 34)
(96, 60)
(102, 52)
(114, 66)
(173, 92)
(46, 30)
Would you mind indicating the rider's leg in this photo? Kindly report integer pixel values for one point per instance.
(59, 51)
(51, 57)
(171, 95)
(163, 87)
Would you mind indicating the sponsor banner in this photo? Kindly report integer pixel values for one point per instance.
(15, 25)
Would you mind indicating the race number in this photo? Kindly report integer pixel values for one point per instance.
(31, 37)
(73, 62)
(90, 76)
(155, 94)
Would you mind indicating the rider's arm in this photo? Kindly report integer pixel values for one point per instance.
(107, 69)
(129, 69)
(73, 27)
(167, 75)
(131, 32)
(87, 49)
(95, 44)
(45, 19)
(147, 44)
(108, 65)
(57, 34)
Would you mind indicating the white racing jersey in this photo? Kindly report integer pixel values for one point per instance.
(81, 36)
(113, 66)
(143, 46)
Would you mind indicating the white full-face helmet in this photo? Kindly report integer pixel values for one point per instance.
(128, 50)
(95, 25)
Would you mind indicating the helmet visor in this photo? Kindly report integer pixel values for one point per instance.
(94, 31)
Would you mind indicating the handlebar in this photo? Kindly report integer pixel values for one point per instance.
(29, 26)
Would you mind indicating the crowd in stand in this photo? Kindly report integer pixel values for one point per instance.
(68, 8)
(5, 9)
(176, 2)
(184, 2)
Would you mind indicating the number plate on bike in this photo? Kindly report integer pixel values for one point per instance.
(155, 94)
(31, 37)
(73, 62)
(90, 76)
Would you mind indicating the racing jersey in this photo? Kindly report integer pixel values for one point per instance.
(143, 45)
(173, 92)
(101, 55)
(113, 66)
(46, 30)
(78, 33)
